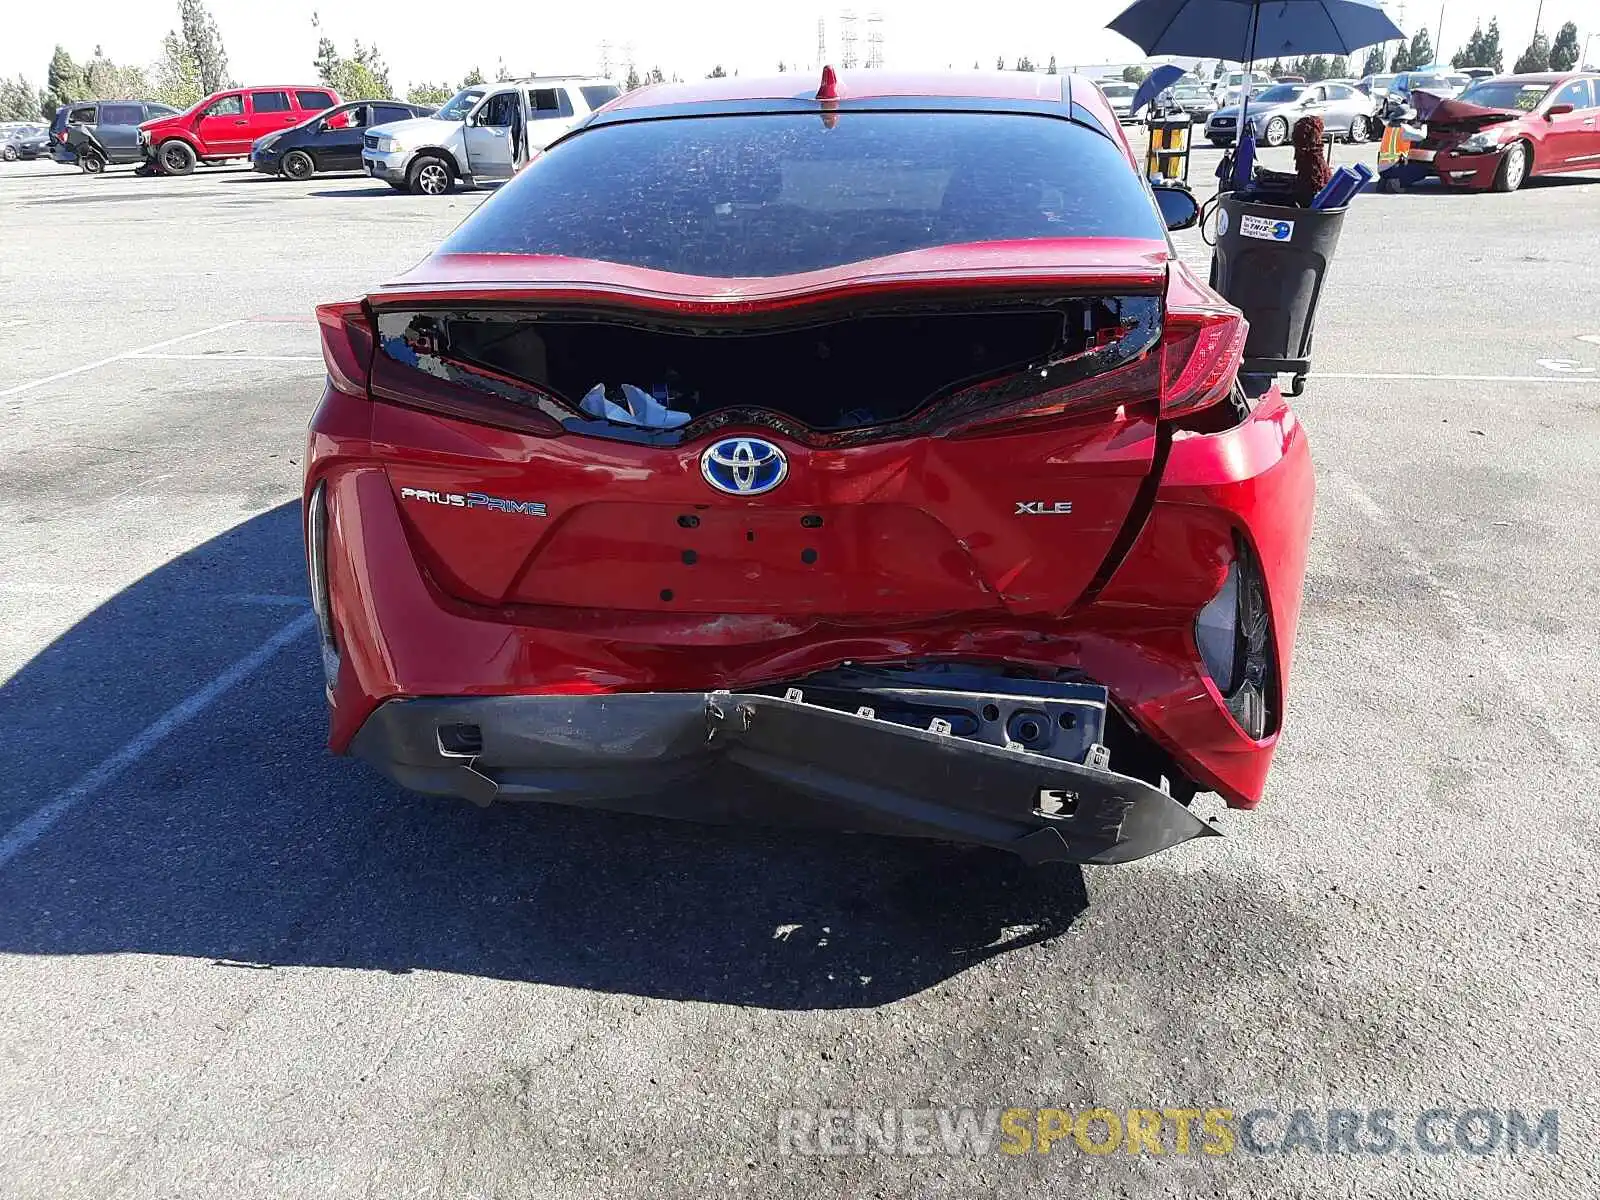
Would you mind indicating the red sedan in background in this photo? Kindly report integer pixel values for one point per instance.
(861, 454)
(1506, 128)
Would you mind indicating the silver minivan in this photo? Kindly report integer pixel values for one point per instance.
(483, 134)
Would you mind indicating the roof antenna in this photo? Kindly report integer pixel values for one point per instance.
(830, 85)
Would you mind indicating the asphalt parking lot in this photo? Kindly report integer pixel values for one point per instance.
(234, 966)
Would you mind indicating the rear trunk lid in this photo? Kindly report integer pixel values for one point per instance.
(962, 432)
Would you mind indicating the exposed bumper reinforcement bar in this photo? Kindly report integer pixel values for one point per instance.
(725, 756)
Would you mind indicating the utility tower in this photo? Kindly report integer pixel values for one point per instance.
(875, 40)
(847, 39)
(822, 42)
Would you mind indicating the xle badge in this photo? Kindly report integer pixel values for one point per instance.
(1043, 508)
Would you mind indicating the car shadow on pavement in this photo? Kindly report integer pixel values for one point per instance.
(239, 840)
(381, 189)
(1432, 187)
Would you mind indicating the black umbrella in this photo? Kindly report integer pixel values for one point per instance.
(1245, 30)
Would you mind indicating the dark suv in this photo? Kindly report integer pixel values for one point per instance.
(114, 124)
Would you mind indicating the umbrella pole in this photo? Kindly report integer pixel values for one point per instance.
(1249, 70)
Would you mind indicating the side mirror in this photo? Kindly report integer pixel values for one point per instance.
(1179, 208)
(1557, 110)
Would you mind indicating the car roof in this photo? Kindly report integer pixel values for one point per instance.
(854, 85)
(581, 80)
(1070, 97)
(1547, 76)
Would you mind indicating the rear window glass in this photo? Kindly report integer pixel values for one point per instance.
(121, 114)
(778, 194)
(264, 102)
(314, 101)
(598, 94)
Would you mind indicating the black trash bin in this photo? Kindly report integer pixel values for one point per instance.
(1270, 260)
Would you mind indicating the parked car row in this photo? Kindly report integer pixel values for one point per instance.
(482, 135)
(1503, 129)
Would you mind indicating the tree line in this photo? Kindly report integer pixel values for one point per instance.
(194, 63)
(1483, 49)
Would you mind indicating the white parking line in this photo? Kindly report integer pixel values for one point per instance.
(225, 357)
(31, 829)
(1456, 378)
(19, 388)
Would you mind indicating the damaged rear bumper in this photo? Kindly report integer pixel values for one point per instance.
(780, 759)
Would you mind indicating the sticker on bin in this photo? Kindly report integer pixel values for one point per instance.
(1266, 229)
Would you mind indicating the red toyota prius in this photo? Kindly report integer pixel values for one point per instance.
(857, 454)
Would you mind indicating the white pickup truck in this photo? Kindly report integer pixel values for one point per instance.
(483, 134)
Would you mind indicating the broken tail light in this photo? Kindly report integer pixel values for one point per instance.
(1201, 351)
(346, 345)
(1233, 633)
(317, 569)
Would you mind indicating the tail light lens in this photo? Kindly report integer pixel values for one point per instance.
(317, 568)
(1201, 352)
(346, 345)
(1234, 635)
(509, 408)
(1129, 385)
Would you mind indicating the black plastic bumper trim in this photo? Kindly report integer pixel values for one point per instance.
(724, 756)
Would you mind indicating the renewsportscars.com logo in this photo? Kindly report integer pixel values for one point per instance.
(1184, 1131)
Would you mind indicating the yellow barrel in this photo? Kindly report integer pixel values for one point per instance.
(1168, 156)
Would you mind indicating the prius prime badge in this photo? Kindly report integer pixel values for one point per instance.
(744, 466)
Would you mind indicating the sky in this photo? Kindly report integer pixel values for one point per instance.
(436, 41)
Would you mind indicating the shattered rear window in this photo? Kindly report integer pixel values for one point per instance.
(764, 195)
